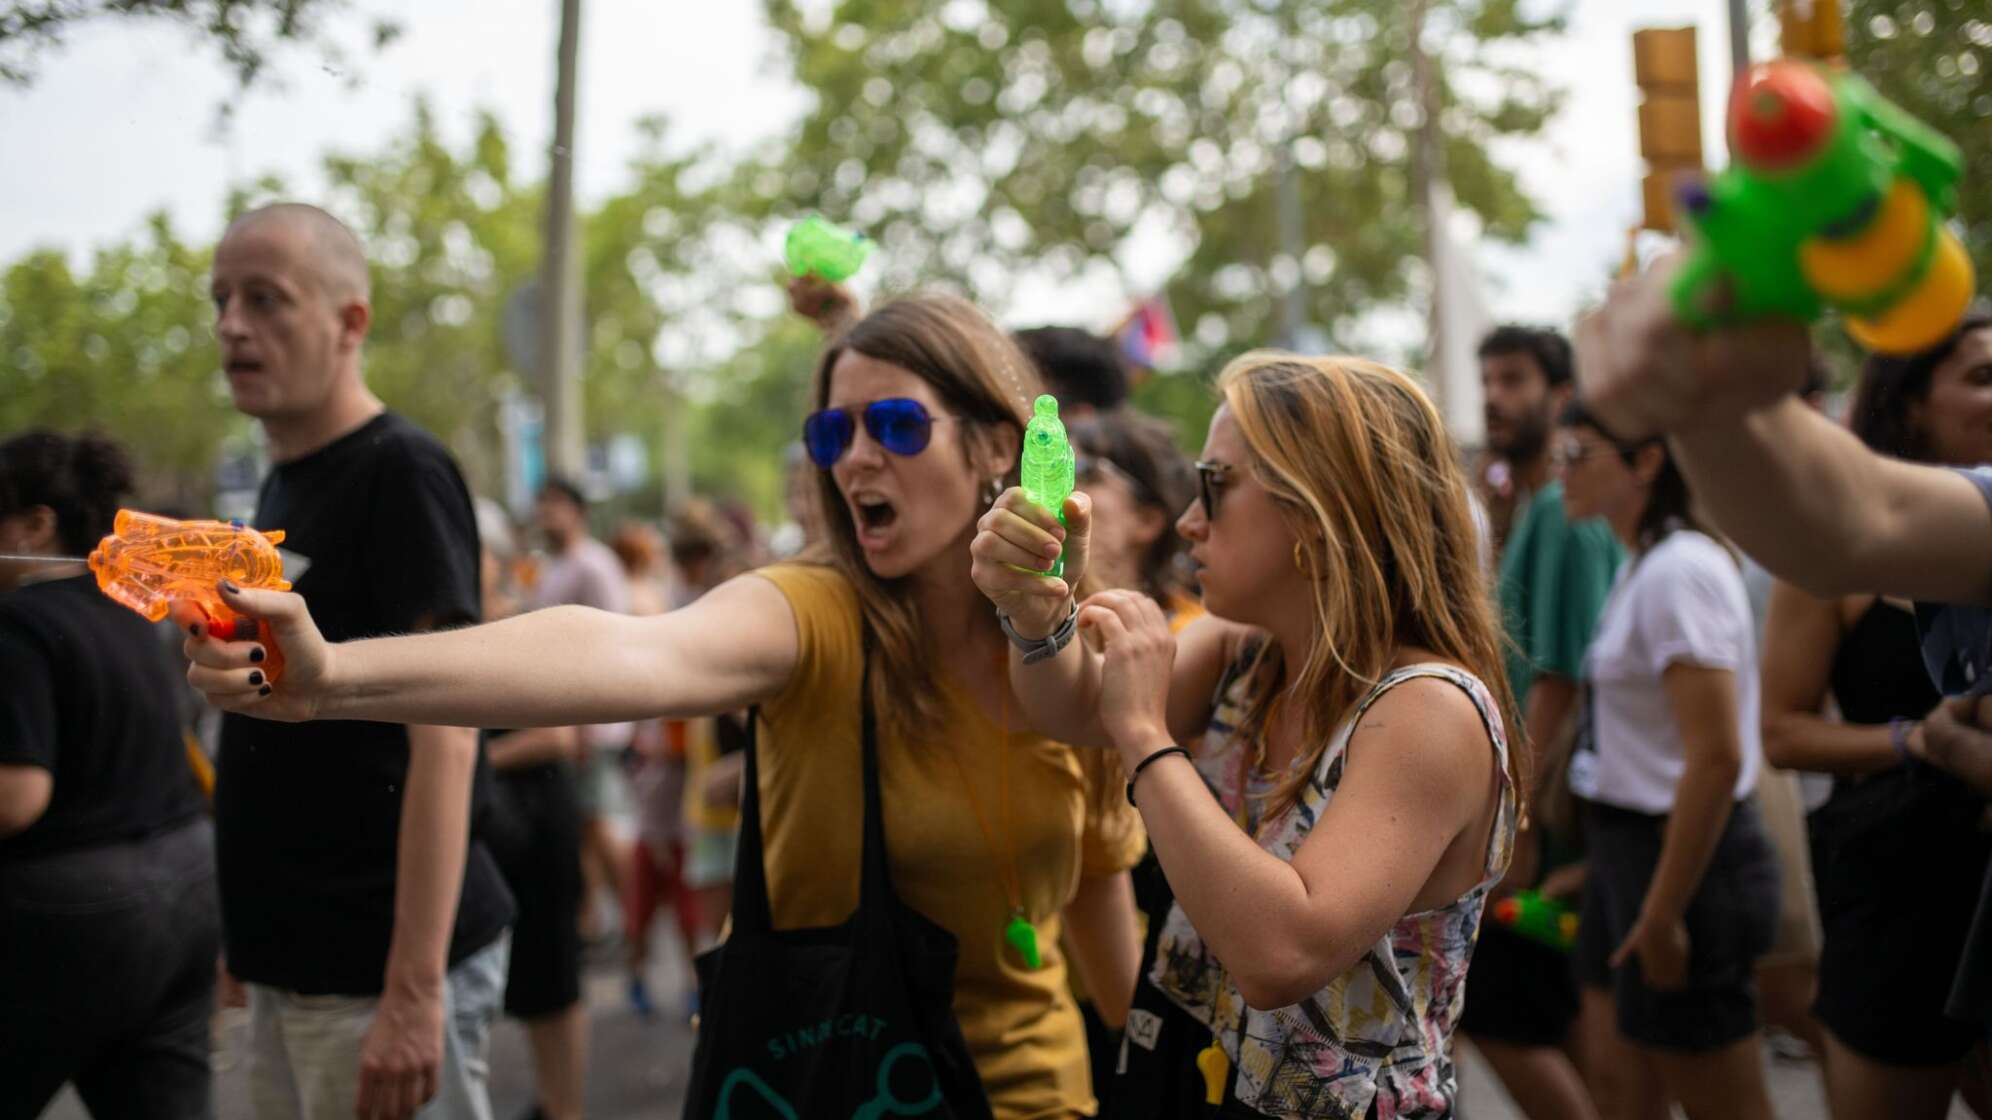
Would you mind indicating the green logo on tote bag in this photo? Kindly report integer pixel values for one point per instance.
(886, 1103)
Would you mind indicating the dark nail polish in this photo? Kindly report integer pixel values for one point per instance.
(256, 654)
(264, 691)
(256, 676)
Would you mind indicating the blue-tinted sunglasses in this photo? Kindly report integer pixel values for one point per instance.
(900, 425)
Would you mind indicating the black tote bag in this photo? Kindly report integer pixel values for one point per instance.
(854, 1020)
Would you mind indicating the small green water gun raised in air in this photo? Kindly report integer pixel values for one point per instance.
(1046, 470)
(1836, 197)
(815, 247)
(1542, 920)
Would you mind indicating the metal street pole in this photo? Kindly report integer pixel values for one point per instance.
(560, 270)
(1739, 35)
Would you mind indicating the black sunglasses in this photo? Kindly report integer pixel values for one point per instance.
(900, 425)
(1210, 484)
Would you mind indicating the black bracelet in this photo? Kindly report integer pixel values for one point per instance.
(1143, 765)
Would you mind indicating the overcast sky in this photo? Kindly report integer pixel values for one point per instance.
(118, 124)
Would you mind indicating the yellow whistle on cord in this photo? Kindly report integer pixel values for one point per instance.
(1215, 1068)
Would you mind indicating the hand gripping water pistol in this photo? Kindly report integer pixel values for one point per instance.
(817, 248)
(1543, 920)
(1046, 470)
(1835, 197)
(148, 562)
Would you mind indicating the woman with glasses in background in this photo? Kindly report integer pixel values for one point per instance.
(1681, 896)
(990, 826)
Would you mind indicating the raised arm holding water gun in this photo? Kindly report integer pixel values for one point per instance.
(820, 258)
(1801, 494)
(1703, 348)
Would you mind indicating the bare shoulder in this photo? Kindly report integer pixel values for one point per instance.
(1427, 728)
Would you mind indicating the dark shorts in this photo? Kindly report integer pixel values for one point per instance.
(1518, 991)
(1897, 861)
(1732, 920)
(535, 835)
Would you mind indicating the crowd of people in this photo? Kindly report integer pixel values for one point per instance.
(1229, 817)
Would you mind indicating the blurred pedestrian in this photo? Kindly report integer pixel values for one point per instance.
(535, 835)
(658, 789)
(110, 919)
(1898, 849)
(1681, 897)
(582, 571)
(1555, 572)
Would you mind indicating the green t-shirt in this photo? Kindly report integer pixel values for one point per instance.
(1554, 579)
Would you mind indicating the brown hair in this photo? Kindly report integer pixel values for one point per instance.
(982, 379)
(1144, 449)
(1359, 459)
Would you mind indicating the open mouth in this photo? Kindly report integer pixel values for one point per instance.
(242, 365)
(874, 514)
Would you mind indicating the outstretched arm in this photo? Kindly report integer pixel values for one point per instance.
(733, 648)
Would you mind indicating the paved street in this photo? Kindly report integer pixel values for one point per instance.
(638, 1069)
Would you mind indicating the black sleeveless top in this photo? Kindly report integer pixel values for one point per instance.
(1878, 672)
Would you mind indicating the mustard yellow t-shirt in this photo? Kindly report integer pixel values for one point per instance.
(1021, 1025)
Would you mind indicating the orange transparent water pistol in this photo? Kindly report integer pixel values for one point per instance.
(149, 562)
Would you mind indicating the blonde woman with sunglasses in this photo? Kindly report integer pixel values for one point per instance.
(1321, 763)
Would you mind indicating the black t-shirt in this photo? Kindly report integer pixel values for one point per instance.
(88, 694)
(379, 539)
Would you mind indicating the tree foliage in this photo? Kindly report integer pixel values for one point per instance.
(988, 144)
(1934, 58)
(685, 314)
(248, 34)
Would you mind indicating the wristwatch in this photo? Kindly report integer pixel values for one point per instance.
(1047, 647)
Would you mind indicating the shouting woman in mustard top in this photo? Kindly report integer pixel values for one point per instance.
(989, 827)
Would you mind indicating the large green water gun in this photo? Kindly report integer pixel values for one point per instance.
(815, 247)
(1834, 197)
(1543, 920)
(1046, 471)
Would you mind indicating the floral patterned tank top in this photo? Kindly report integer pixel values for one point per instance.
(1377, 1040)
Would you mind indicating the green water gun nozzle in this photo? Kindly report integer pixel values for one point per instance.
(1046, 470)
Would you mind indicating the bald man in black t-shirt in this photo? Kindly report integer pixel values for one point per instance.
(357, 902)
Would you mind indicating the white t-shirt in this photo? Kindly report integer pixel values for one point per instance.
(1682, 603)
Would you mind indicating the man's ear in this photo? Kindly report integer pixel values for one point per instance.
(355, 317)
(1559, 399)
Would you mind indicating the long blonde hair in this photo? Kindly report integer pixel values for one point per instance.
(985, 381)
(1370, 483)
